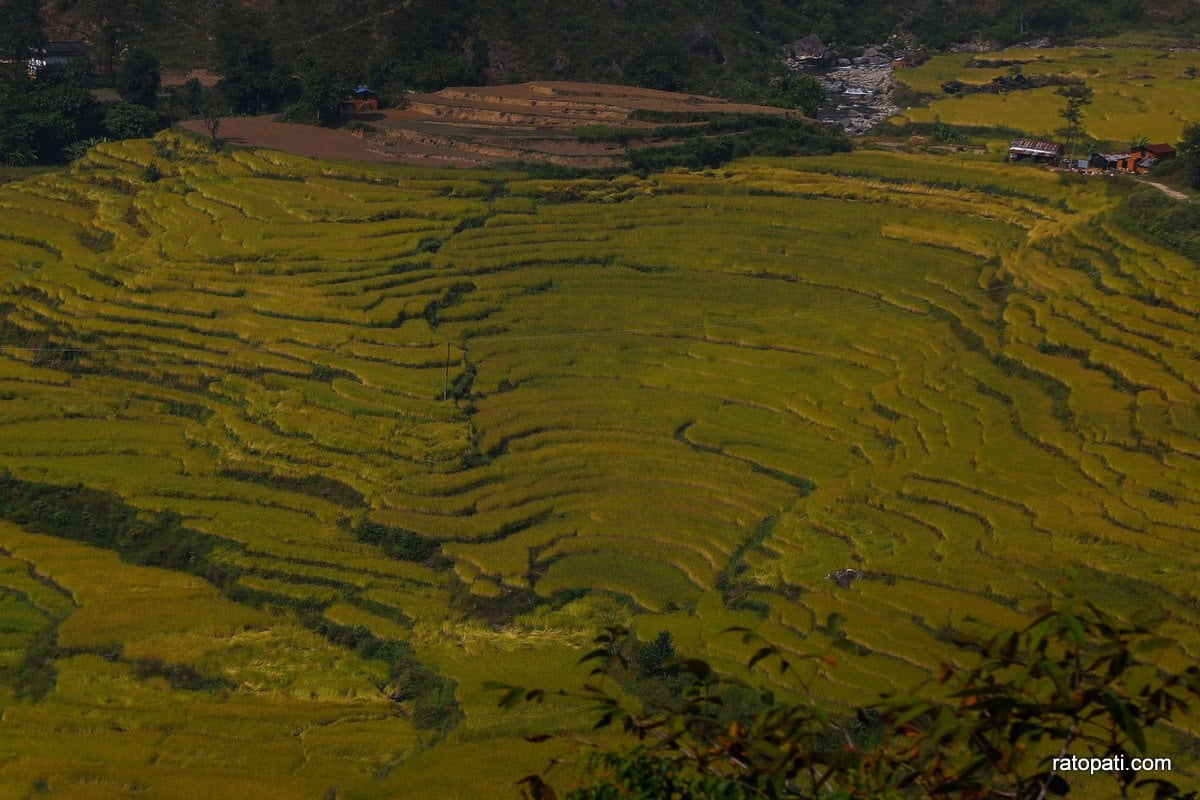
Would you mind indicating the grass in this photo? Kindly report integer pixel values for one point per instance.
(964, 379)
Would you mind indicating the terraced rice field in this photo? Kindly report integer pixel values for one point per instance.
(1137, 91)
(537, 122)
(466, 418)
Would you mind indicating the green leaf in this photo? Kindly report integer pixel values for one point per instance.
(1125, 720)
(910, 714)
(599, 653)
(763, 652)
(538, 788)
(1038, 632)
(698, 667)
(1163, 790)
(1060, 679)
(1055, 784)
(1074, 629)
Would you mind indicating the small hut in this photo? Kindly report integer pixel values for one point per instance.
(1037, 150)
(54, 54)
(1107, 162)
(363, 99)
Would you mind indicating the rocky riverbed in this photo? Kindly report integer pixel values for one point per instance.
(859, 91)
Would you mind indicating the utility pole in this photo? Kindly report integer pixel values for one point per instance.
(446, 380)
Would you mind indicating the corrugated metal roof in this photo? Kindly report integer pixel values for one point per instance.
(1038, 146)
(64, 48)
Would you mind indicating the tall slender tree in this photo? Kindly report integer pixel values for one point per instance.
(1078, 96)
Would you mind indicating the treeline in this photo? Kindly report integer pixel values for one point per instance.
(51, 113)
(717, 47)
(55, 116)
(298, 57)
(730, 136)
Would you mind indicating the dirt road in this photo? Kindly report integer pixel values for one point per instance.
(1167, 190)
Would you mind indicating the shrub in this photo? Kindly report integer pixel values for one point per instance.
(130, 121)
(1069, 682)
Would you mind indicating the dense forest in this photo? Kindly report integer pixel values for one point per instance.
(694, 45)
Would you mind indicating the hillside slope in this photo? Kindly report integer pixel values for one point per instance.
(667, 44)
(298, 454)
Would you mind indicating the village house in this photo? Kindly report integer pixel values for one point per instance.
(1036, 150)
(1138, 160)
(56, 53)
(52, 54)
(1150, 154)
(1121, 162)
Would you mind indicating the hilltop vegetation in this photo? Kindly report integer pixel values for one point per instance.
(429, 44)
(412, 430)
(298, 58)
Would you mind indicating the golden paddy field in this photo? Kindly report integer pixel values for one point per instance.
(677, 402)
(1136, 91)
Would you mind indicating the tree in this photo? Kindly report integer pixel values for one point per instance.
(801, 92)
(20, 30)
(650, 657)
(246, 59)
(130, 121)
(60, 114)
(1189, 143)
(427, 45)
(321, 90)
(193, 96)
(16, 139)
(211, 110)
(1067, 684)
(41, 118)
(656, 60)
(118, 25)
(1189, 154)
(1078, 96)
(947, 134)
(138, 79)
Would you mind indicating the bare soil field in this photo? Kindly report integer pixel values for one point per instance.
(290, 137)
(481, 125)
(178, 77)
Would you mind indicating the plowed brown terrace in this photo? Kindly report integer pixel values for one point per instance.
(482, 125)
